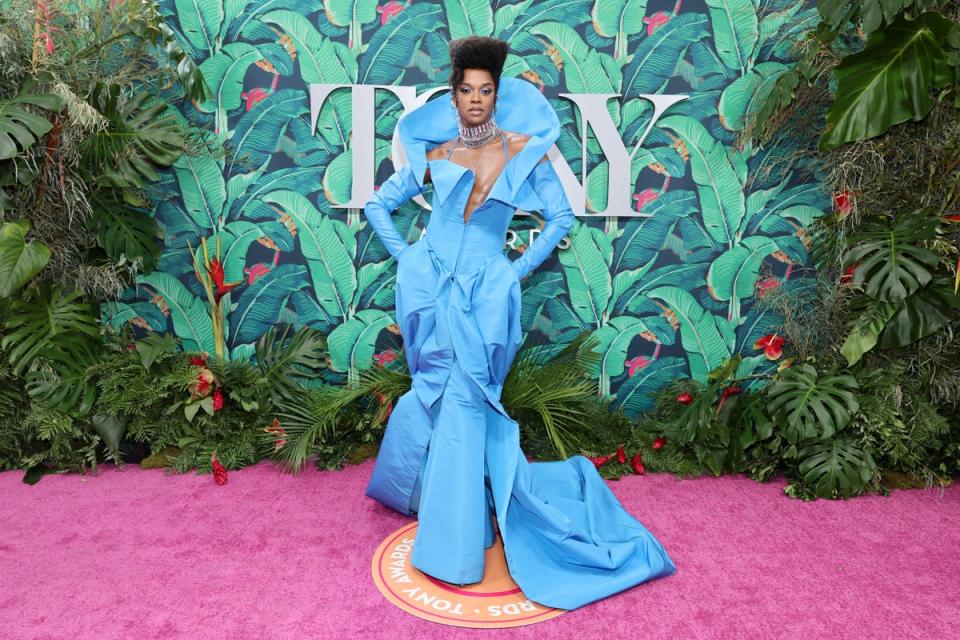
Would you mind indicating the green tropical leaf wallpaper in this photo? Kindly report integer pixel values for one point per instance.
(668, 296)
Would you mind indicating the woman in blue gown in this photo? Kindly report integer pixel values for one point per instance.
(451, 453)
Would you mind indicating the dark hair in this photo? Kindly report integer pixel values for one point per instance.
(477, 52)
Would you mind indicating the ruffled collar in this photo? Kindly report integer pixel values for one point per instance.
(521, 108)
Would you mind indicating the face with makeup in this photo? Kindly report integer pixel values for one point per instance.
(475, 97)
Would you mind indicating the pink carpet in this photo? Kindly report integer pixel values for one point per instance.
(137, 554)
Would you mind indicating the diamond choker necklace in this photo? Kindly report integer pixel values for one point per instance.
(479, 135)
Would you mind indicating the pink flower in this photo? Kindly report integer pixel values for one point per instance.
(254, 96)
(656, 21)
(658, 443)
(635, 364)
(684, 398)
(255, 272)
(389, 10)
(645, 196)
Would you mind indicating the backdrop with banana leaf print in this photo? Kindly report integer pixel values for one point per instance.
(668, 296)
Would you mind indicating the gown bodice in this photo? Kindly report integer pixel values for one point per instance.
(483, 234)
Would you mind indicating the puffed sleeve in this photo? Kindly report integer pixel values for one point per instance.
(557, 214)
(378, 210)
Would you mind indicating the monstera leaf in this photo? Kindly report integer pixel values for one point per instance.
(891, 266)
(44, 318)
(20, 260)
(810, 406)
(125, 233)
(721, 193)
(139, 138)
(899, 324)
(890, 80)
(836, 468)
(70, 386)
(20, 129)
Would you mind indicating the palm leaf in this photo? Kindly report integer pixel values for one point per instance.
(722, 200)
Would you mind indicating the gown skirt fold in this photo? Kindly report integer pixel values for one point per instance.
(451, 453)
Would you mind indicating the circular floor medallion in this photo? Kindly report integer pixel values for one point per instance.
(494, 602)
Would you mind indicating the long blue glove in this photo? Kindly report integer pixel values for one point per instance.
(557, 215)
(378, 210)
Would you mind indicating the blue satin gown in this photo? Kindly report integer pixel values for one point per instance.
(451, 453)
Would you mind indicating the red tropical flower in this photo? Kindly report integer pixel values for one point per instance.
(216, 274)
(684, 398)
(202, 383)
(637, 463)
(276, 429)
(217, 399)
(772, 346)
(847, 276)
(198, 361)
(767, 285)
(843, 202)
(219, 471)
(658, 443)
(621, 455)
(599, 461)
